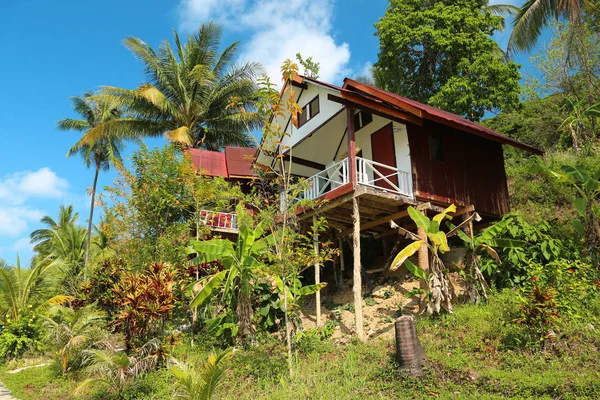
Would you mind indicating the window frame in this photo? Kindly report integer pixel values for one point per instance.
(306, 111)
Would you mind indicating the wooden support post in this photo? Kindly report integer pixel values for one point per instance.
(423, 255)
(317, 271)
(342, 267)
(356, 277)
(351, 145)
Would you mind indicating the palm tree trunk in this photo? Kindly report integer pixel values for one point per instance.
(89, 236)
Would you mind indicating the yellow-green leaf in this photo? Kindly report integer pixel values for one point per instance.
(405, 253)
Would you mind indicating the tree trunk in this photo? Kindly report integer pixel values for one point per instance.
(89, 235)
(317, 273)
(357, 279)
(245, 316)
(409, 352)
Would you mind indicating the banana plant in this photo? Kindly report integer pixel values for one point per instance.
(437, 241)
(241, 263)
(475, 246)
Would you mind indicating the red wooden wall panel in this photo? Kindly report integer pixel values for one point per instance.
(472, 173)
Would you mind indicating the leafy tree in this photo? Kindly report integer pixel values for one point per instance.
(311, 68)
(441, 53)
(156, 203)
(69, 329)
(190, 92)
(101, 143)
(534, 15)
(199, 382)
(538, 122)
(62, 242)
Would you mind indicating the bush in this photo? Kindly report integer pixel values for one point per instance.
(20, 337)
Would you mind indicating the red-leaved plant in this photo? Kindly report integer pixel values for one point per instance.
(144, 301)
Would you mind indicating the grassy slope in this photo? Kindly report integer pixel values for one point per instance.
(471, 354)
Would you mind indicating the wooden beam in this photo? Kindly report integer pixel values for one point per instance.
(306, 163)
(326, 206)
(383, 95)
(350, 100)
(464, 210)
(351, 145)
(341, 247)
(380, 221)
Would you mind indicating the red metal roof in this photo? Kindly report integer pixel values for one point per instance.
(211, 163)
(235, 162)
(239, 161)
(434, 114)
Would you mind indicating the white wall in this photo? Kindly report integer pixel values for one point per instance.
(327, 109)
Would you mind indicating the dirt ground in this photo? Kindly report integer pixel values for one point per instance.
(380, 308)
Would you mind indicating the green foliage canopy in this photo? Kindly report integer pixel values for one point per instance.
(441, 53)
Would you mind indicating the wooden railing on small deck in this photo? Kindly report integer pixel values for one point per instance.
(219, 220)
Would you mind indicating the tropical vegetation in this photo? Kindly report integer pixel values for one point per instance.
(150, 303)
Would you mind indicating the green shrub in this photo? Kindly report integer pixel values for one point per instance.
(19, 337)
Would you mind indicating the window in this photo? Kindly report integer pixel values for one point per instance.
(362, 119)
(309, 111)
(436, 147)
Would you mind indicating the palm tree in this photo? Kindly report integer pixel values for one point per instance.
(195, 95)
(113, 366)
(536, 14)
(70, 329)
(24, 289)
(198, 382)
(101, 143)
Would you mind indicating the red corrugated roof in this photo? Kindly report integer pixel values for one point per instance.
(435, 114)
(239, 161)
(211, 163)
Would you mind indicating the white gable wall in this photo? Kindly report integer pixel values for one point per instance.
(326, 110)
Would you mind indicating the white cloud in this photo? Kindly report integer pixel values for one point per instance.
(14, 221)
(277, 30)
(16, 188)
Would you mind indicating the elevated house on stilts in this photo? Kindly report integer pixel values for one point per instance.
(369, 154)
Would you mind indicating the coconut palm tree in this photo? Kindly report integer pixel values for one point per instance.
(101, 143)
(62, 242)
(109, 364)
(24, 289)
(195, 95)
(70, 329)
(534, 15)
(199, 382)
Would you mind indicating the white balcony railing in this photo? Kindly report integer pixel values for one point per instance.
(369, 173)
(334, 176)
(219, 220)
(381, 176)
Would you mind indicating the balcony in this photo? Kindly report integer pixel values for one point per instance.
(219, 221)
(369, 173)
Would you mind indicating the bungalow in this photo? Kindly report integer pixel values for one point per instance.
(371, 153)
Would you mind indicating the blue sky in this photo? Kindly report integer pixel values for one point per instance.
(53, 50)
